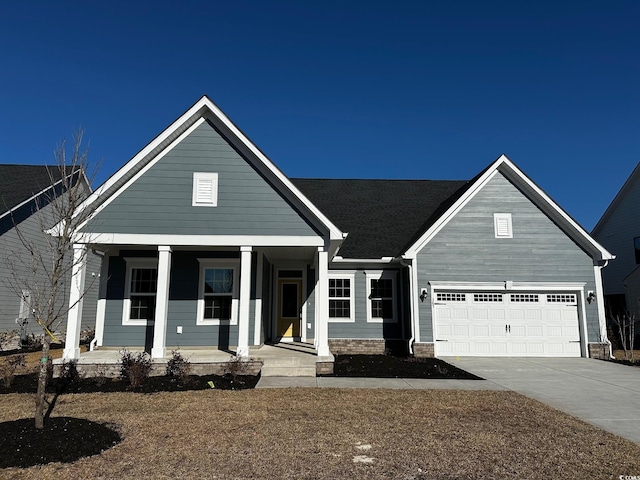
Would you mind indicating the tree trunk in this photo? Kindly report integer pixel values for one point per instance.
(43, 377)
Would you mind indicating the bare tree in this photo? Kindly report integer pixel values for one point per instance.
(626, 323)
(43, 267)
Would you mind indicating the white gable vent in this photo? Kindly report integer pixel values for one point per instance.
(502, 225)
(205, 189)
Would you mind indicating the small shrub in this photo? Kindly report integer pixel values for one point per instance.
(87, 335)
(100, 377)
(235, 367)
(8, 340)
(10, 366)
(135, 368)
(68, 375)
(178, 367)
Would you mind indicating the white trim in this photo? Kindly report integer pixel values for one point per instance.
(76, 295)
(322, 306)
(102, 299)
(128, 183)
(345, 275)
(257, 322)
(505, 166)
(199, 240)
(414, 296)
(245, 299)
(502, 225)
(134, 262)
(200, 178)
(162, 302)
(383, 260)
(32, 198)
(226, 263)
(379, 275)
(302, 268)
(602, 319)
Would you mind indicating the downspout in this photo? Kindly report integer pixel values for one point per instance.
(604, 338)
(98, 253)
(409, 265)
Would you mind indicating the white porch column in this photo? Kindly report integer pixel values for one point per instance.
(102, 299)
(76, 294)
(322, 307)
(162, 302)
(245, 298)
(257, 331)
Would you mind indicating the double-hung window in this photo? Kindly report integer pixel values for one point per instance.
(341, 297)
(218, 292)
(140, 293)
(381, 295)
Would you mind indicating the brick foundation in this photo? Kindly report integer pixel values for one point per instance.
(599, 351)
(423, 350)
(358, 346)
(324, 368)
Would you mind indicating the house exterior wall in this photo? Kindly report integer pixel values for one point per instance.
(616, 234)
(14, 258)
(361, 328)
(466, 250)
(160, 201)
(182, 311)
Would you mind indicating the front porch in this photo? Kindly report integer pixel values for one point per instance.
(289, 359)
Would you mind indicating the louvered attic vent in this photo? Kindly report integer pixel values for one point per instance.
(502, 225)
(205, 189)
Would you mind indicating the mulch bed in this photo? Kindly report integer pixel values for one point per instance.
(63, 439)
(390, 366)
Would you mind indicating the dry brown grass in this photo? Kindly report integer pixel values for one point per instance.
(316, 433)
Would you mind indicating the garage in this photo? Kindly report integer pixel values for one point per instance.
(519, 324)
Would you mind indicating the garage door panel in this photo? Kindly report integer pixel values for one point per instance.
(500, 324)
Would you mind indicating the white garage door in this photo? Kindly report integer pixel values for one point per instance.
(507, 324)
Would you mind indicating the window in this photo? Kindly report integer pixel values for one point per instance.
(341, 297)
(218, 292)
(636, 247)
(502, 225)
(451, 297)
(205, 189)
(140, 294)
(487, 297)
(381, 306)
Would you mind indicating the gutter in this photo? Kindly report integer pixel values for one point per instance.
(409, 265)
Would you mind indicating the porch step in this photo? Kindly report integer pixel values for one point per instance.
(288, 371)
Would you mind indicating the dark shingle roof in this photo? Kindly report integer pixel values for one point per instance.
(383, 217)
(21, 182)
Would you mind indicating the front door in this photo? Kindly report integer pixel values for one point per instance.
(289, 308)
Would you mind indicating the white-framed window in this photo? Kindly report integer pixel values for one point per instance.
(141, 283)
(381, 296)
(205, 189)
(341, 297)
(502, 225)
(218, 291)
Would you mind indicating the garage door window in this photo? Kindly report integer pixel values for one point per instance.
(561, 298)
(451, 297)
(487, 297)
(524, 298)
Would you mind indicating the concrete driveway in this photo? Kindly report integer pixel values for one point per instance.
(602, 393)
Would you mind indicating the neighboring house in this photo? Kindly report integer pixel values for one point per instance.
(208, 244)
(24, 206)
(619, 231)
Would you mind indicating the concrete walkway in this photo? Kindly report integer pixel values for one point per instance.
(394, 383)
(602, 393)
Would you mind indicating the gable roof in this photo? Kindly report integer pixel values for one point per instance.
(535, 194)
(380, 216)
(630, 183)
(20, 183)
(205, 110)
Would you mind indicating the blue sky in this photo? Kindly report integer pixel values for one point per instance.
(340, 89)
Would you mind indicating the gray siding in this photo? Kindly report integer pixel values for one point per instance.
(160, 201)
(466, 250)
(361, 328)
(183, 296)
(616, 235)
(15, 258)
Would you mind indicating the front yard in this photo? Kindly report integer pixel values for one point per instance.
(331, 433)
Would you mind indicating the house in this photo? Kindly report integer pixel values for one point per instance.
(208, 244)
(619, 231)
(25, 195)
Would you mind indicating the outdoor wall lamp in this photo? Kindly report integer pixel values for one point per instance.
(591, 296)
(423, 294)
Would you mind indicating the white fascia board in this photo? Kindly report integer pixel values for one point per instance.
(501, 286)
(335, 232)
(198, 240)
(582, 234)
(142, 171)
(30, 199)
